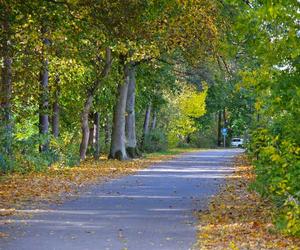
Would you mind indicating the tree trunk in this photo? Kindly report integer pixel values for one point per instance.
(188, 139)
(44, 94)
(106, 132)
(91, 132)
(130, 118)
(118, 143)
(224, 125)
(6, 91)
(146, 123)
(224, 118)
(55, 118)
(85, 130)
(44, 105)
(88, 104)
(91, 137)
(153, 126)
(97, 142)
(219, 128)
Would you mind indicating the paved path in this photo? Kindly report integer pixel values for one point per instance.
(152, 209)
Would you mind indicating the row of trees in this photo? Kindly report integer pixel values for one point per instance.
(69, 68)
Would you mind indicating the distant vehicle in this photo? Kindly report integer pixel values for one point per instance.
(237, 142)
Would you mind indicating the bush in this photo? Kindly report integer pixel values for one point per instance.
(62, 151)
(204, 140)
(183, 144)
(155, 141)
(66, 150)
(277, 167)
(29, 158)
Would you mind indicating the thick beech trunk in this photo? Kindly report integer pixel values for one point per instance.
(44, 105)
(131, 144)
(55, 117)
(118, 139)
(88, 104)
(97, 137)
(146, 123)
(6, 91)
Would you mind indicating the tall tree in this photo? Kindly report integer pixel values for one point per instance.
(44, 90)
(146, 122)
(118, 137)
(89, 101)
(97, 136)
(131, 142)
(6, 80)
(56, 108)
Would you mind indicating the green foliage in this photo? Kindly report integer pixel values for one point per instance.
(204, 138)
(155, 140)
(28, 156)
(278, 174)
(187, 106)
(6, 159)
(268, 34)
(65, 149)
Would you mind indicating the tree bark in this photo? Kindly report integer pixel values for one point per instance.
(188, 139)
(154, 118)
(6, 88)
(224, 118)
(44, 105)
(91, 132)
(85, 126)
(131, 143)
(106, 132)
(44, 94)
(146, 123)
(56, 108)
(88, 104)
(224, 125)
(118, 139)
(219, 128)
(97, 137)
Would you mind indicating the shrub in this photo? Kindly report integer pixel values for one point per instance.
(154, 141)
(277, 167)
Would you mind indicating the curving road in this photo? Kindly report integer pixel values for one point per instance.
(152, 209)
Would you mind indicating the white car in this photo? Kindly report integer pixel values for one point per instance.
(237, 142)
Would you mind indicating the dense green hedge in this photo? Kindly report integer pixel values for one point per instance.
(277, 165)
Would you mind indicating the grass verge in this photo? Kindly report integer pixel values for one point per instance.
(240, 219)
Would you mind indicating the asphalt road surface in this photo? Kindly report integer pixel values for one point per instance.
(152, 209)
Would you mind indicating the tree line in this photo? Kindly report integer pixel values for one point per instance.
(67, 64)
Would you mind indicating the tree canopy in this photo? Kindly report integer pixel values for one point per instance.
(119, 78)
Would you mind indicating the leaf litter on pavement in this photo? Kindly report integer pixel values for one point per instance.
(35, 190)
(238, 218)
